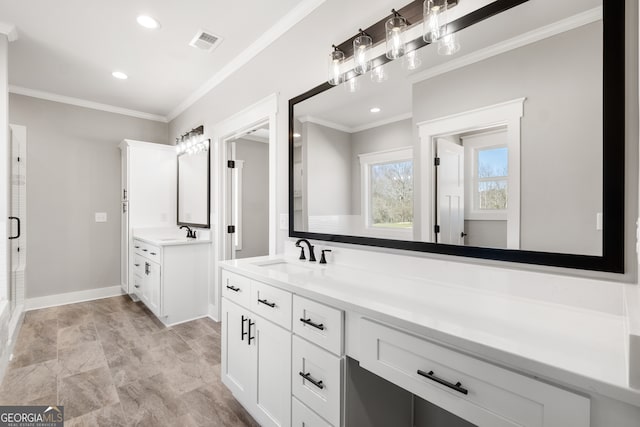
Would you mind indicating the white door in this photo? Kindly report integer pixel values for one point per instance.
(17, 214)
(450, 192)
(238, 357)
(273, 388)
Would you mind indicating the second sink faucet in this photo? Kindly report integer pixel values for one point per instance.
(191, 234)
(312, 255)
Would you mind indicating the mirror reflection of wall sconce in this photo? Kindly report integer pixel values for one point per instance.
(192, 142)
(393, 30)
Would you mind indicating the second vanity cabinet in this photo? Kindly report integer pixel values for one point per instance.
(172, 279)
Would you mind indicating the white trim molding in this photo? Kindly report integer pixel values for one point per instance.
(9, 30)
(297, 14)
(503, 114)
(355, 129)
(72, 297)
(49, 96)
(263, 111)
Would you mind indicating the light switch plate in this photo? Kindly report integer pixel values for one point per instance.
(101, 217)
(599, 221)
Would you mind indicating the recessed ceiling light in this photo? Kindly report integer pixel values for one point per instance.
(148, 22)
(375, 110)
(119, 75)
(296, 135)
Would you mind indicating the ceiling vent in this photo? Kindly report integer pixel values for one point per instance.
(205, 40)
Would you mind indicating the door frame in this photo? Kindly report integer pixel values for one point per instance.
(507, 113)
(263, 111)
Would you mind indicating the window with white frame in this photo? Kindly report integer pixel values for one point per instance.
(387, 189)
(487, 175)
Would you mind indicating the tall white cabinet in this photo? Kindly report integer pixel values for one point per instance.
(148, 195)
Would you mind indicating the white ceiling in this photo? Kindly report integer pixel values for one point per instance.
(526, 23)
(70, 47)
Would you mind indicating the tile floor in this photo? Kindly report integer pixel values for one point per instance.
(110, 362)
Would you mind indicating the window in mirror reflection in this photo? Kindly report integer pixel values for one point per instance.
(491, 192)
(392, 194)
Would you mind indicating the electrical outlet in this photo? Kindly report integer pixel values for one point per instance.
(284, 221)
(101, 217)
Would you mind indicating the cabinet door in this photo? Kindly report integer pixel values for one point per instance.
(154, 289)
(273, 387)
(238, 357)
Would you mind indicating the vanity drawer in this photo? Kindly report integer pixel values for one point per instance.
(301, 416)
(479, 392)
(320, 324)
(146, 250)
(236, 288)
(321, 388)
(271, 303)
(138, 266)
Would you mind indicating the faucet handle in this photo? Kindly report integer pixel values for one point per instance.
(323, 260)
(302, 253)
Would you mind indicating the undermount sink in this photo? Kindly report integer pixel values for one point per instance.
(285, 266)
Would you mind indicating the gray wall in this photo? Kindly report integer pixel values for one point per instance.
(327, 161)
(393, 135)
(488, 234)
(255, 197)
(73, 171)
(561, 78)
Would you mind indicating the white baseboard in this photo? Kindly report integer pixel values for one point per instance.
(213, 313)
(71, 297)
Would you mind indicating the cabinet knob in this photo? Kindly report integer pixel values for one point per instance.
(136, 286)
(152, 253)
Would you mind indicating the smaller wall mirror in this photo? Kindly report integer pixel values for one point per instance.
(194, 200)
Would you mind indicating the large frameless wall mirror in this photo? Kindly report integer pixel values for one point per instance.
(486, 142)
(194, 176)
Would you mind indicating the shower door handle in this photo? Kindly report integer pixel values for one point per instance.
(18, 221)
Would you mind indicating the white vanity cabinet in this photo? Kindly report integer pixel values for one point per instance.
(172, 279)
(256, 348)
(148, 195)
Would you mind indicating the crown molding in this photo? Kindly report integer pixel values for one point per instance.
(527, 38)
(297, 14)
(348, 129)
(325, 123)
(9, 30)
(382, 122)
(49, 96)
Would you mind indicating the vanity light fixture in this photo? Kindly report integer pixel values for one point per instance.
(336, 62)
(192, 142)
(361, 51)
(435, 16)
(148, 22)
(448, 44)
(119, 75)
(395, 33)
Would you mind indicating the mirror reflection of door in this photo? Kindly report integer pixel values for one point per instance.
(248, 182)
(449, 192)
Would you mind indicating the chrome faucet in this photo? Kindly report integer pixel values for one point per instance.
(312, 255)
(191, 234)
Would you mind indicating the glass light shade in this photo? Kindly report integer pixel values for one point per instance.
(395, 29)
(353, 84)
(435, 18)
(411, 60)
(336, 62)
(448, 45)
(361, 52)
(379, 74)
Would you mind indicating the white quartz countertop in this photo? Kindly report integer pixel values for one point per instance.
(171, 241)
(566, 345)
